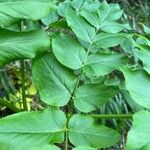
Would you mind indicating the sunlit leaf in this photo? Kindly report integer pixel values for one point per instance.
(54, 82)
(15, 45)
(32, 129)
(12, 11)
(138, 136)
(90, 134)
(68, 51)
(92, 96)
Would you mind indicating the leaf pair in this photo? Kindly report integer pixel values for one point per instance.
(56, 85)
(70, 53)
(32, 129)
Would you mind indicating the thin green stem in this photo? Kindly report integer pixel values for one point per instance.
(66, 133)
(71, 104)
(66, 140)
(23, 88)
(112, 116)
(9, 105)
(25, 107)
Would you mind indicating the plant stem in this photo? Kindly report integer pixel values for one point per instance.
(66, 140)
(24, 101)
(25, 107)
(66, 133)
(112, 116)
(9, 105)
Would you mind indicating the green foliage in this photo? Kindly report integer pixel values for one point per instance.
(65, 47)
(32, 129)
(141, 128)
(91, 134)
(14, 45)
(138, 90)
(89, 97)
(54, 82)
(13, 11)
(100, 64)
(83, 58)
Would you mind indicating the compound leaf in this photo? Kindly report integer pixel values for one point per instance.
(144, 55)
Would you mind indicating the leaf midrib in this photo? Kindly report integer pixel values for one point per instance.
(32, 132)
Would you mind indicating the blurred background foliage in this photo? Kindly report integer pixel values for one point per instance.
(137, 14)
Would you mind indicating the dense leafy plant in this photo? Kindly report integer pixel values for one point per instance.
(84, 58)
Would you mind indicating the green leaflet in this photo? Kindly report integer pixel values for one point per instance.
(144, 55)
(83, 131)
(50, 18)
(54, 82)
(115, 12)
(128, 45)
(68, 51)
(12, 11)
(103, 63)
(91, 5)
(32, 129)
(146, 29)
(113, 26)
(105, 40)
(138, 136)
(92, 18)
(107, 26)
(141, 40)
(63, 8)
(109, 12)
(15, 45)
(77, 4)
(127, 97)
(80, 26)
(92, 96)
(103, 18)
(138, 85)
(84, 148)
